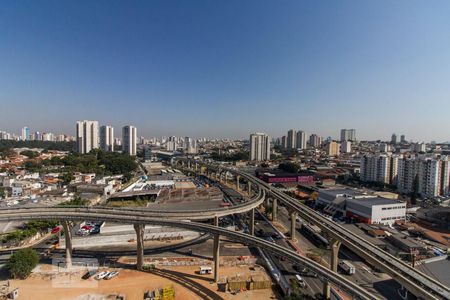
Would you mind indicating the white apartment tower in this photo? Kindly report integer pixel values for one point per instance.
(129, 140)
(348, 135)
(346, 147)
(291, 139)
(301, 140)
(259, 147)
(107, 138)
(87, 136)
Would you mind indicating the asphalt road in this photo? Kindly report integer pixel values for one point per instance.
(379, 284)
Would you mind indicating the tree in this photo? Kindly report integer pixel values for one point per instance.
(21, 263)
(30, 154)
(289, 167)
(67, 178)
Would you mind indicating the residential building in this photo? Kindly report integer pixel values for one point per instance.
(348, 135)
(346, 147)
(394, 139)
(301, 140)
(291, 136)
(129, 140)
(107, 138)
(87, 136)
(25, 134)
(332, 148)
(259, 147)
(315, 140)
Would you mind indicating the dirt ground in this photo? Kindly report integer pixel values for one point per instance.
(187, 284)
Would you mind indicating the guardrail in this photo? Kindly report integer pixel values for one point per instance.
(421, 284)
(76, 214)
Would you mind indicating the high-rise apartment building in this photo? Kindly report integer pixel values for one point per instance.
(107, 138)
(332, 148)
(382, 168)
(402, 139)
(259, 147)
(394, 139)
(129, 140)
(315, 140)
(431, 174)
(348, 135)
(87, 136)
(301, 140)
(25, 134)
(346, 147)
(291, 137)
(283, 142)
(190, 145)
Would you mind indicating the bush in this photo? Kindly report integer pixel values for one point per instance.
(21, 263)
(30, 154)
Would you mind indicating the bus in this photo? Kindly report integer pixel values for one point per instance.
(347, 267)
(205, 270)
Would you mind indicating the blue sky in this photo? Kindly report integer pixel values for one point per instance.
(227, 68)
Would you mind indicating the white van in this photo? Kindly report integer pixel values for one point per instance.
(300, 281)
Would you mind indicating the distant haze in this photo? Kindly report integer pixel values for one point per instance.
(228, 68)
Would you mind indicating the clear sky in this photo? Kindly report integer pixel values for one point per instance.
(227, 68)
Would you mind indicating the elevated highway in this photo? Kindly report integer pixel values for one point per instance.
(418, 283)
(138, 220)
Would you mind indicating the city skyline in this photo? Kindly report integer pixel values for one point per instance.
(175, 68)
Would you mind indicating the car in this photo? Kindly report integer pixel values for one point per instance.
(277, 236)
(300, 281)
(56, 230)
(89, 274)
(82, 232)
(101, 275)
(95, 230)
(111, 275)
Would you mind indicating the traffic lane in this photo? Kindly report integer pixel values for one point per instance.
(364, 274)
(286, 268)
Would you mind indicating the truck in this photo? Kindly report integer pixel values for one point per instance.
(347, 267)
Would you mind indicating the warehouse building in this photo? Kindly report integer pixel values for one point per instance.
(360, 207)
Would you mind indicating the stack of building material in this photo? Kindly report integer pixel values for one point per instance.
(259, 282)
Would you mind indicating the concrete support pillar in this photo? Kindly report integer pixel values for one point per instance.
(249, 189)
(237, 182)
(139, 228)
(293, 223)
(334, 247)
(68, 238)
(216, 256)
(252, 222)
(274, 209)
(216, 221)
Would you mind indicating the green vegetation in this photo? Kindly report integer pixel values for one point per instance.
(289, 167)
(230, 157)
(30, 230)
(66, 178)
(2, 192)
(30, 154)
(97, 161)
(22, 262)
(61, 146)
(128, 203)
(6, 152)
(75, 202)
